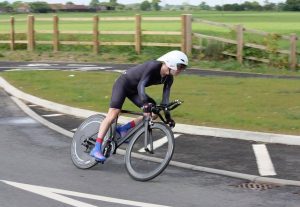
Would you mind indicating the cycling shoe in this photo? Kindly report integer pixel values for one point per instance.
(97, 154)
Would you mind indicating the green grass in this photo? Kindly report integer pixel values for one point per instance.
(281, 22)
(267, 105)
(275, 22)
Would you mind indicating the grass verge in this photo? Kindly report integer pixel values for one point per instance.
(127, 55)
(266, 105)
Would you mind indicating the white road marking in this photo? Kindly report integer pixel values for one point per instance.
(73, 130)
(80, 65)
(37, 65)
(52, 115)
(263, 159)
(90, 68)
(45, 69)
(12, 70)
(160, 142)
(57, 194)
(29, 69)
(117, 71)
(32, 105)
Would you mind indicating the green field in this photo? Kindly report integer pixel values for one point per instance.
(280, 22)
(266, 105)
(275, 22)
(283, 23)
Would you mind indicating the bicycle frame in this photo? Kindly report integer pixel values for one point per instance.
(141, 137)
(144, 123)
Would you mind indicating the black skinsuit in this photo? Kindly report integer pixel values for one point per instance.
(132, 85)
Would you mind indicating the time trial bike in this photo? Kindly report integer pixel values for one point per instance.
(148, 153)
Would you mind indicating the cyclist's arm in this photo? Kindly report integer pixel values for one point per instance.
(141, 89)
(166, 95)
(167, 90)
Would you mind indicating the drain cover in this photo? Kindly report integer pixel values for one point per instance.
(256, 186)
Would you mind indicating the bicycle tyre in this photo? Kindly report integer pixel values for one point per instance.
(88, 129)
(133, 155)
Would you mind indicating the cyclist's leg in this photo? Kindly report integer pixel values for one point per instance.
(117, 100)
(138, 102)
(110, 117)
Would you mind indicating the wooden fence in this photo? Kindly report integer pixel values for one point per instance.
(240, 42)
(185, 33)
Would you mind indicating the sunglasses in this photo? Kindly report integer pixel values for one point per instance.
(181, 66)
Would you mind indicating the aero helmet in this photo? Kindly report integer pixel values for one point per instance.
(174, 58)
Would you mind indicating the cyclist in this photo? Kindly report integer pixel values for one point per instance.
(132, 84)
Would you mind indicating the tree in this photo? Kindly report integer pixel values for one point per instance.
(204, 6)
(280, 6)
(15, 5)
(155, 5)
(113, 2)
(292, 5)
(252, 6)
(69, 3)
(233, 7)
(219, 8)
(6, 6)
(39, 7)
(269, 7)
(94, 3)
(145, 6)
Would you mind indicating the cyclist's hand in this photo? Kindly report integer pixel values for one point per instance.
(171, 123)
(147, 107)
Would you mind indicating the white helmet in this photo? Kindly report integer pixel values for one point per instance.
(174, 58)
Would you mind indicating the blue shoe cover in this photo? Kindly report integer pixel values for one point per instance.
(122, 133)
(97, 153)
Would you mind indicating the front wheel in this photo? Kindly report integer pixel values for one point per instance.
(144, 161)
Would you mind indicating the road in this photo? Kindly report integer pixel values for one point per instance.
(12, 66)
(33, 154)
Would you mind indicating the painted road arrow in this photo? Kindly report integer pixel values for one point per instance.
(57, 194)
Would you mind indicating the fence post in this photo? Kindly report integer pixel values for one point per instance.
(12, 33)
(30, 33)
(188, 36)
(293, 51)
(55, 34)
(138, 33)
(183, 33)
(186, 33)
(96, 34)
(240, 42)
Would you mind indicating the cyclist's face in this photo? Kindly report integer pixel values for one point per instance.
(174, 72)
(181, 67)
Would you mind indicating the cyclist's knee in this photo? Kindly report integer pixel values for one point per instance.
(112, 114)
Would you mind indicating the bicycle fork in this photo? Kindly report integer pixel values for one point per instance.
(148, 143)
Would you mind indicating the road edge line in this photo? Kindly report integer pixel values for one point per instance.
(40, 119)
